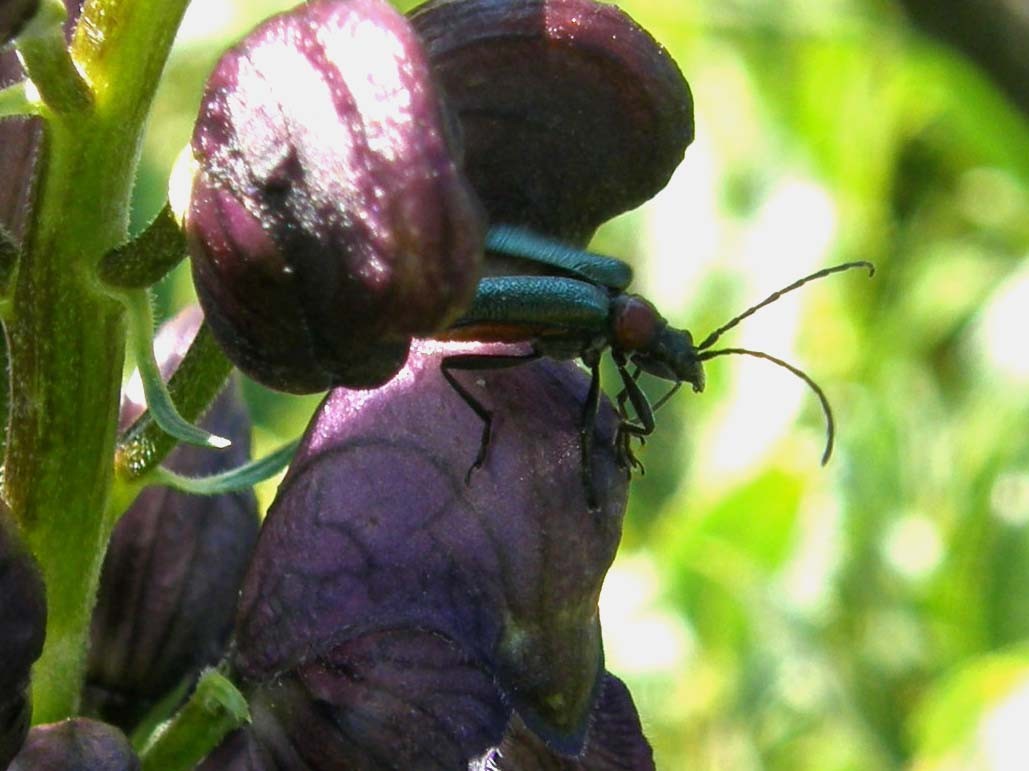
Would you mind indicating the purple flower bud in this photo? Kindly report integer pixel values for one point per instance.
(22, 630)
(19, 147)
(616, 741)
(15, 14)
(174, 565)
(328, 221)
(20, 140)
(571, 112)
(22, 609)
(75, 745)
(375, 530)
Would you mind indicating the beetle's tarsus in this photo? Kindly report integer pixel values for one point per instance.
(480, 458)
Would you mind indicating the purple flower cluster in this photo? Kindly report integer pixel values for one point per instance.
(394, 616)
(386, 614)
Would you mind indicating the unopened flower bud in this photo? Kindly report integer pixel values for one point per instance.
(75, 745)
(571, 112)
(22, 630)
(22, 609)
(329, 222)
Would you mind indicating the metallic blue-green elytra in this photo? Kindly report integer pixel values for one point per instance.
(589, 266)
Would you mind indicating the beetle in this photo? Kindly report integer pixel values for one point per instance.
(579, 309)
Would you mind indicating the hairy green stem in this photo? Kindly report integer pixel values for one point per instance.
(67, 335)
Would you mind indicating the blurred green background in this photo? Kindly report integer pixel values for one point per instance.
(769, 613)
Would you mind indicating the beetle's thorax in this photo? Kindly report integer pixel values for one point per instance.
(634, 323)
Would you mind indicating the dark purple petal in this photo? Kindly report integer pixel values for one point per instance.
(616, 741)
(22, 609)
(174, 565)
(402, 698)
(394, 699)
(329, 223)
(75, 745)
(571, 112)
(374, 528)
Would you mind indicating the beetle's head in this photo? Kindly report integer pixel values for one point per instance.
(672, 356)
(640, 332)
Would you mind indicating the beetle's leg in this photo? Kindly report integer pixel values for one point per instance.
(477, 362)
(644, 414)
(623, 396)
(640, 404)
(671, 392)
(626, 457)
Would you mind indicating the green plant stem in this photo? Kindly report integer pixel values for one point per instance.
(214, 709)
(67, 336)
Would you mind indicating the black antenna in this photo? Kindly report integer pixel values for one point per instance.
(704, 355)
(713, 337)
(830, 424)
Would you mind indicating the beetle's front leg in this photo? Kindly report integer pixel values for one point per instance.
(626, 457)
(627, 429)
(478, 362)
